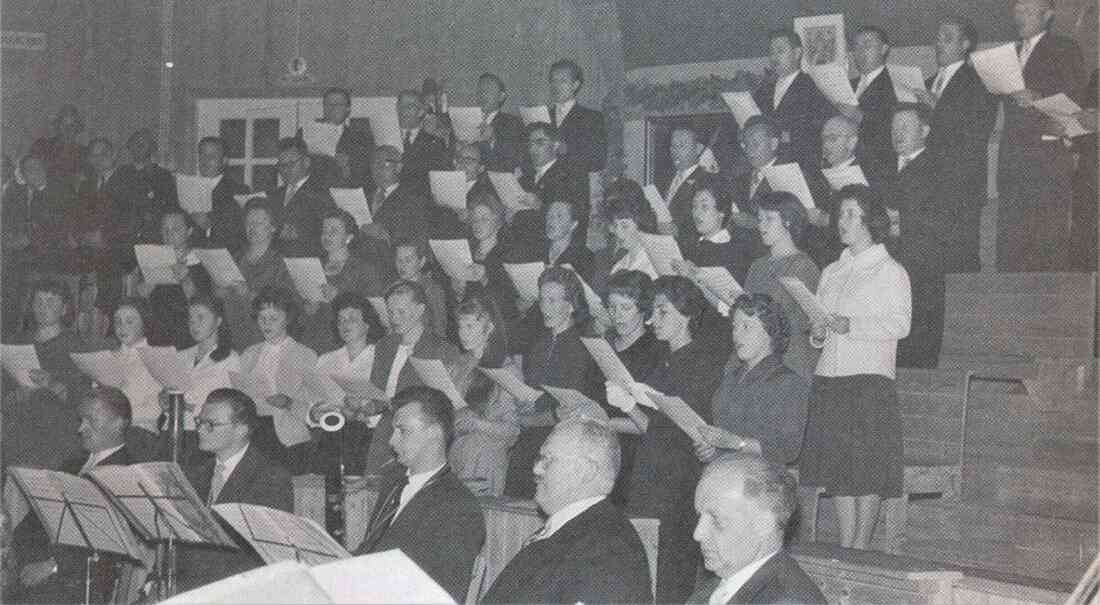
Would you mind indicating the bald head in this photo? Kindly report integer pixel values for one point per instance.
(839, 138)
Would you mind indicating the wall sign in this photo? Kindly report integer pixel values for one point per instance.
(13, 40)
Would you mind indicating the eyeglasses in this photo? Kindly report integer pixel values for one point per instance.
(203, 423)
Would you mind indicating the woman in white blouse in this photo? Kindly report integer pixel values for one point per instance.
(853, 445)
(130, 319)
(211, 359)
(273, 373)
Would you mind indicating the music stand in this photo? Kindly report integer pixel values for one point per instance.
(281, 536)
(74, 513)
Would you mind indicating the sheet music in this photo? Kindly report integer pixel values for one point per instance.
(19, 360)
(449, 188)
(906, 77)
(512, 383)
(720, 282)
(308, 276)
(169, 366)
(507, 186)
(156, 263)
(608, 360)
(196, 192)
(384, 125)
(382, 577)
(354, 201)
(742, 105)
(283, 582)
(789, 178)
(999, 69)
(662, 250)
(358, 387)
(680, 413)
(243, 198)
(573, 404)
(1061, 108)
(526, 278)
(657, 204)
(843, 176)
(832, 80)
(380, 309)
(453, 256)
(321, 137)
(538, 113)
(220, 265)
(104, 367)
(280, 536)
(466, 122)
(810, 303)
(593, 300)
(434, 374)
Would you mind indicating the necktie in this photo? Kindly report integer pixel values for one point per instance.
(757, 176)
(379, 198)
(937, 86)
(382, 522)
(408, 138)
(217, 482)
(291, 189)
(675, 186)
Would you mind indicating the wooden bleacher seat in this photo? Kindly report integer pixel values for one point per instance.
(854, 577)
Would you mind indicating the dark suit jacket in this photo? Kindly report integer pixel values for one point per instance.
(931, 234)
(304, 213)
(144, 196)
(358, 143)
(564, 181)
(226, 217)
(596, 557)
(426, 153)
(780, 580)
(1055, 65)
(441, 528)
(585, 137)
(961, 123)
(509, 146)
(404, 213)
(802, 112)
(877, 104)
(41, 216)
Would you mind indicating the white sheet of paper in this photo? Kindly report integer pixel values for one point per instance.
(156, 263)
(383, 577)
(608, 360)
(904, 78)
(573, 404)
(662, 250)
(538, 113)
(1061, 108)
(999, 69)
(169, 366)
(721, 282)
(380, 309)
(789, 178)
(595, 303)
(810, 303)
(382, 112)
(321, 137)
(657, 204)
(19, 360)
(449, 188)
(434, 374)
(195, 192)
(832, 80)
(508, 188)
(282, 582)
(840, 178)
(512, 383)
(358, 387)
(526, 278)
(466, 122)
(243, 198)
(220, 265)
(742, 105)
(104, 367)
(453, 255)
(354, 201)
(308, 275)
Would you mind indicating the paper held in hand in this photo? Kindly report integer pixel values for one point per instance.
(608, 360)
(435, 375)
(359, 388)
(19, 360)
(573, 404)
(354, 201)
(321, 137)
(449, 188)
(308, 276)
(104, 367)
(512, 383)
(526, 278)
(169, 366)
(156, 263)
(507, 186)
(742, 105)
(662, 250)
(832, 80)
(789, 178)
(538, 113)
(595, 304)
(466, 122)
(721, 283)
(843, 176)
(999, 69)
(242, 199)
(810, 303)
(220, 265)
(196, 192)
(680, 413)
(1063, 109)
(384, 125)
(906, 78)
(657, 204)
(453, 256)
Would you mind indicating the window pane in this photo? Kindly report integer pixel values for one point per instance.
(265, 138)
(235, 173)
(264, 178)
(232, 132)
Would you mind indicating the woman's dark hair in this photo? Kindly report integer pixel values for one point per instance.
(345, 217)
(624, 199)
(771, 315)
(496, 349)
(574, 291)
(281, 299)
(875, 216)
(353, 300)
(225, 334)
(634, 285)
(243, 409)
(685, 296)
(57, 288)
(791, 211)
(257, 203)
(176, 211)
(490, 200)
(148, 318)
(723, 197)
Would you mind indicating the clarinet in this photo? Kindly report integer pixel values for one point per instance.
(332, 455)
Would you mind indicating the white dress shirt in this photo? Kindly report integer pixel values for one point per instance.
(562, 109)
(781, 87)
(678, 181)
(566, 514)
(729, 586)
(96, 457)
(866, 79)
(542, 170)
(943, 77)
(228, 466)
(139, 386)
(905, 160)
(754, 184)
(206, 376)
(399, 359)
(416, 483)
(292, 190)
(1028, 47)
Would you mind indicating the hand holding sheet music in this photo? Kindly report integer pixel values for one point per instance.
(454, 256)
(789, 178)
(537, 113)
(354, 201)
(906, 79)
(1063, 110)
(595, 304)
(19, 360)
(742, 105)
(843, 176)
(526, 278)
(662, 251)
(449, 188)
(810, 303)
(720, 282)
(156, 263)
(512, 383)
(435, 375)
(242, 199)
(466, 122)
(308, 276)
(321, 137)
(220, 265)
(572, 404)
(832, 79)
(511, 194)
(680, 413)
(999, 69)
(104, 367)
(169, 366)
(196, 192)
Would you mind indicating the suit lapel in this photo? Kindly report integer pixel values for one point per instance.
(241, 476)
(759, 580)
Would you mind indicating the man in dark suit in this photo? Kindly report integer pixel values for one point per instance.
(423, 152)
(587, 551)
(745, 504)
(235, 471)
(299, 205)
(582, 129)
(792, 100)
(839, 149)
(350, 166)
(760, 141)
(448, 223)
(962, 120)
(424, 509)
(1035, 168)
(56, 574)
(89, 223)
(875, 91)
(34, 221)
(150, 191)
(685, 149)
(503, 141)
(398, 209)
(223, 226)
(551, 176)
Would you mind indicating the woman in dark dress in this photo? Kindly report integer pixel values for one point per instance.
(662, 483)
(486, 216)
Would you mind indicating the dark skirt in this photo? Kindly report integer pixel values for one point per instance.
(853, 437)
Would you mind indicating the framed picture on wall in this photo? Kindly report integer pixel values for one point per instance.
(823, 40)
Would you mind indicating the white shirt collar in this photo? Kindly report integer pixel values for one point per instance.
(96, 457)
(489, 117)
(542, 170)
(781, 87)
(870, 77)
(721, 236)
(416, 483)
(563, 109)
(866, 258)
(413, 132)
(230, 463)
(847, 162)
(567, 513)
(908, 159)
(949, 71)
(389, 189)
(730, 585)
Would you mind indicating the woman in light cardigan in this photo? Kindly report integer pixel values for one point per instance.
(853, 445)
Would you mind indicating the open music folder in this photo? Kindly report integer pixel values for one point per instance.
(281, 536)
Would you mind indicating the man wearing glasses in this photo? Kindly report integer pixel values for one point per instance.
(301, 203)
